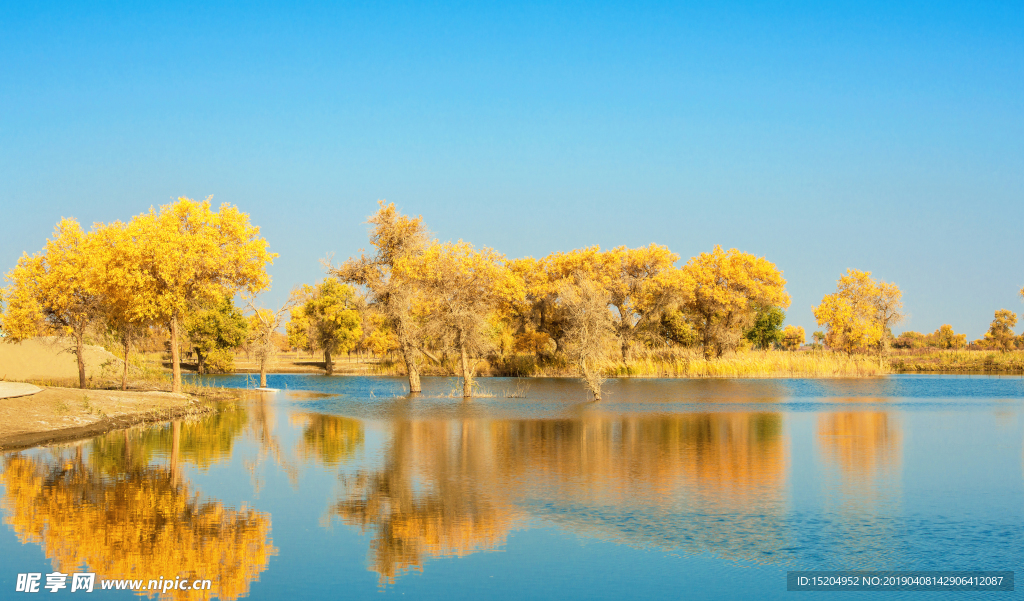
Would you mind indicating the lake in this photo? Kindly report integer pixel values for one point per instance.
(343, 487)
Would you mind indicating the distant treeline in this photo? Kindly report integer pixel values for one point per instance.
(441, 306)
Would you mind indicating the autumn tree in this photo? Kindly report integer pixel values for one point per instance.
(124, 311)
(214, 331)
(725, 290)
(589, 328)
(55, 292)
(946, 338)
(1000, 332)
(464, 290)
(643, 283)
(263, 325)
(792, 337)
(330, 320)
(860, 313)
(677, 329)
(396, 237)
(189, 255)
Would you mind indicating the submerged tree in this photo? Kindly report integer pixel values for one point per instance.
(396, 238)
(463, 289)
(589, 329)
(263, 324)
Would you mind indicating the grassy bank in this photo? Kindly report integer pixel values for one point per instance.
(957, 361)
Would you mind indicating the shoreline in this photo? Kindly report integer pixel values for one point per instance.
(56, 415)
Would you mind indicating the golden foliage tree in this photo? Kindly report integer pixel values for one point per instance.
(56, 292)
(860, 313)
(263, 326)
(793, 337)
(946, 338)
(641, 283)
(396, 237)
(329, 317)
(1000, 332)
(589, 328)
(725, 288)
(189, 254)
(464, 290)
(124, 310)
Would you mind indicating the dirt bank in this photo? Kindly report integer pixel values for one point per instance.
(60, 414)
(46, 358)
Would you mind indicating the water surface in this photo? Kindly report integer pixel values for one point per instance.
(346, 487)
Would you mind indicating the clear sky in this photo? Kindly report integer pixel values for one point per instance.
(881, 136)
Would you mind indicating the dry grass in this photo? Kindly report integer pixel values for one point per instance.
(752, 364)
(975, 361)
(690, 363)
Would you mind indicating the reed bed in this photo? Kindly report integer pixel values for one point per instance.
(976, 361)
(683, 363)
(750, 364)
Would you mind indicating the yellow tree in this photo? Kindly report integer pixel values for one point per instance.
(396, 237)
(946, 338)
(793, 337)
(328, 313)
(464, 289)
(1000, 331)
(188, 255)
(589, 328)
(860, 313)
(724, 290)
(117, 278)
(645, 282)
(263, 324)
(55, 292)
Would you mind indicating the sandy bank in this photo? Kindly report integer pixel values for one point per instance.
(59, 414)
(47, 358)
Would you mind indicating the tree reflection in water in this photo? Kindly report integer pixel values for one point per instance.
(434, 497)
(861, 443)
(329, 439)
(696, 482)
(121, 517)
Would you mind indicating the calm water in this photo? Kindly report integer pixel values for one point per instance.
(343, 487)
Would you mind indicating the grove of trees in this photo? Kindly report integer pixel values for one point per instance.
(161, 267)
(447, 305)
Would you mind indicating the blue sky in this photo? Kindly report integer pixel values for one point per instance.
(823, 136)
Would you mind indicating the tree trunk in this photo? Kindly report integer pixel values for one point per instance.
(175, 357)
(410, 368)
(467, 376)
(263, 372)
(328, 362)
(124, 375)
(79, 350)
(200, 362)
